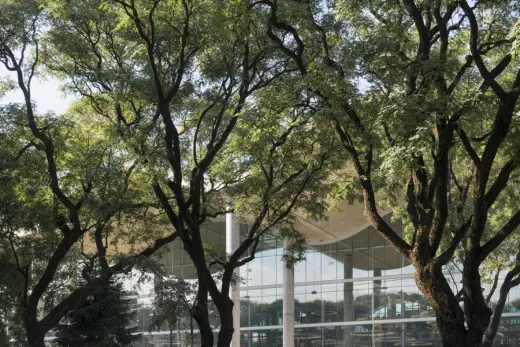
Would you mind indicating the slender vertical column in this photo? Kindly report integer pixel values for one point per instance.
(288, 300)
(376, 290)
(232, 243)
(376, 303)
(322, 320)
(348, 300)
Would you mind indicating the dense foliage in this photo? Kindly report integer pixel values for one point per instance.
(174, 118)
(105, 319)
(280, 106)
(423, 97)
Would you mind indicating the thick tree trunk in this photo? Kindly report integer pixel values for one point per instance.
(451, 334)
(476, 310)
(200, 312)
(35, 338)
(225, 334)
(206, 333)
(201, 316)
(35, 335)
(449, 315)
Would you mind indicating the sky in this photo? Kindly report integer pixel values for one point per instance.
(45, 93)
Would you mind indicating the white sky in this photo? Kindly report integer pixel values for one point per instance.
(45, 93)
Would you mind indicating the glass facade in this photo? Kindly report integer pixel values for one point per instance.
(353, 292)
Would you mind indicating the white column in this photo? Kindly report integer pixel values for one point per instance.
(288, 300)
(232, 243)
(348, 300)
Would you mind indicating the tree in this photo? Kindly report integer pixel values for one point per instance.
(104, 319)
(67, 184)
(180, 89)
(195, 75)
(172, 301)
(423, 97)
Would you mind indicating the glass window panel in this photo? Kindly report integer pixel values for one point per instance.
(415, 304)
(175, 271)
(268, 292)
(176, 254)
(255, 294)
(508, 332)
(361, 263)
(271, 310)
(279, 249)
(387, 335)
(254, 272)
(188, 272)
(269, 268)
(358, 335)
(245, 309)
(362, 301)
(300, 289)
(299, 272)
(261, 338)
(268, 244)
(313, 266)
(185, 257)
(255, 311)
(328, 266)
(300, 309)
(308, 337)
(513, 300)
(421, 334)
(393, 297)
(168, 256)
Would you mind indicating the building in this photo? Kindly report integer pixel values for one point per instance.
(353, 290)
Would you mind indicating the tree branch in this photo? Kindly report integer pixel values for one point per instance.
(499, 237)
(474, 31)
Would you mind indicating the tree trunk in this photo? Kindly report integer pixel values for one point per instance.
(225, 334)
(200, 312)
(476, 310)
(201, 316)
(191, 331)
(35, 337)
(206, 333)
(36, 340)
(449, 315)
(171, 335)
(451, 334)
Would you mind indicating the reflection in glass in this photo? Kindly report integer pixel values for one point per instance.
(421, 334)
(360, 280)
(261, 338)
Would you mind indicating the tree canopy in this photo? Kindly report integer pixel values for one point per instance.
(176, 114)
(423, 97)
(280, 106)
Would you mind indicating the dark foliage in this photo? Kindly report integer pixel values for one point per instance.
(104, 319)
